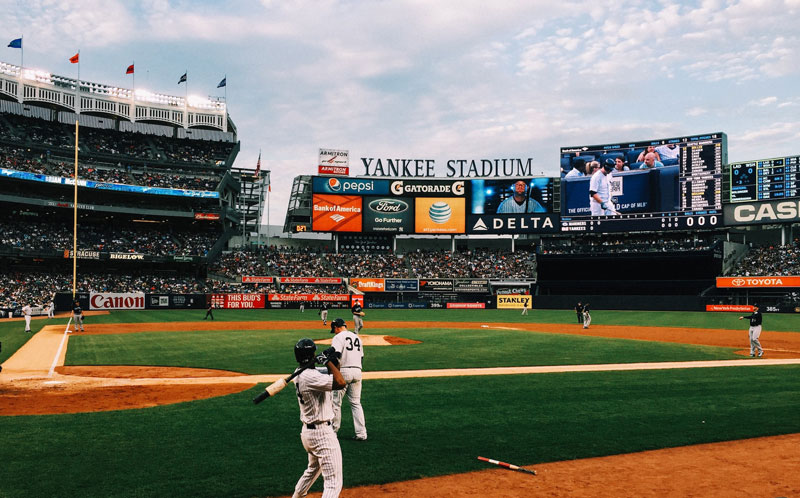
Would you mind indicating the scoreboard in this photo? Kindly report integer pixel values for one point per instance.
(764, 180)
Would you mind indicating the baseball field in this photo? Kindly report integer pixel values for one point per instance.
(158, 403)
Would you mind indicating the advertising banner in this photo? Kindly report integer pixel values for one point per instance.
(428, 188)
(436, 285)
(472, 285)
(356, 298)
(402, 285)
(157, 300)
(334, 157)
(308, 297)
(389, 214)
(127, 256)
(310, 280)
(82, 254)
(206, 216)
(256, 279)
(336, 213)
(368, 284)
(439, 215)
(238, 301)
(193, 301)
(757, 282)
(466, 306)
(742, 308)
(514, 302)
(116, 301)
(333, 185)
(325, 169)
(513, 223)
(758, 213)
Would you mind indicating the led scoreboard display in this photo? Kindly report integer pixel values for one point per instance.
(655, 185)
(766, 179)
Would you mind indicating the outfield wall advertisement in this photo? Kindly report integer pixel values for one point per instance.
(238, 301)
(116, 301)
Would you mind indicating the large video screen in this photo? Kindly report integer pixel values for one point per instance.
(434, 206)
(663, 184)
(765, 180)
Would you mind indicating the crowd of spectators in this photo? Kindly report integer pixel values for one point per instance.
(384, 265)
(628, 243)
(37, 235)
(475, 263)
(772, 260)
(236, 264)
(297, 263)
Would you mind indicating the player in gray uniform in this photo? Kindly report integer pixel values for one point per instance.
(358, 321)
(755, 331)
(600, 191)
(27, 311)
(316, 412)
(587, 318)
(351, 349)
(77, 316)
(323, 312)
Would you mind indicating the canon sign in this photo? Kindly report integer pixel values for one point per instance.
(762, 212)
(114, 301)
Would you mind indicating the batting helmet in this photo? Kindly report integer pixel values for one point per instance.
(338, 322)
(609, 164)
(304, 351)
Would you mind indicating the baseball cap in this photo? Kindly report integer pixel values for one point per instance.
(755, 305)
(337, 322)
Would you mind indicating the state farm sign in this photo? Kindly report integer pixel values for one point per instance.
(116, 301)
(758, 282)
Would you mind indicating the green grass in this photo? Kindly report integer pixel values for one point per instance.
(772, 321)
(271, 351)
(417, 427)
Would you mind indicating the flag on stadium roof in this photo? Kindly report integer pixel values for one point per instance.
(75, 58)
(258, 165)
(183, 78)
(16, 43)
(129, 70)
(223, 82)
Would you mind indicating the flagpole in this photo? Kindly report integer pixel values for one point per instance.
(134, 76)
(75, 221)
(21, 54)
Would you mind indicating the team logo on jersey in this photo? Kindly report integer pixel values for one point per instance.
(334, 184)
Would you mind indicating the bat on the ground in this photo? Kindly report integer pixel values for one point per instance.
(276, 386)
(509, 466)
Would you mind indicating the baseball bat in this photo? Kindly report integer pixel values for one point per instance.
(277, 386)
(509, 466)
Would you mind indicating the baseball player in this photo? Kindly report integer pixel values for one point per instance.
(209, 311)
(755, 331)
(51, 308)
(316, 412)
(349, 346)
(323, 312)
(358, 322)
(579, 311)
(77, 316)
(587, 318)
(26, 310)
(600, 191)
(302, 307)
(525, 307)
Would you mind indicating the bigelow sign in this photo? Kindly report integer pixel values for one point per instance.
(116, 301)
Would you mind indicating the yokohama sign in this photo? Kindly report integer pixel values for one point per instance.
(114, 301)
(757, 282)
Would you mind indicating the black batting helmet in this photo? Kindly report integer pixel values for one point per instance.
(338, 322)
(609, 164)
(304, 351)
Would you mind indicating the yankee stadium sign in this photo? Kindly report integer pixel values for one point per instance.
(464, 168)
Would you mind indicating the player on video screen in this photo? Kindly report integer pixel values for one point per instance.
(520, 202)
(600, 191)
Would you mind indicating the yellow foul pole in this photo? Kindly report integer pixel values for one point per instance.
(75, 221)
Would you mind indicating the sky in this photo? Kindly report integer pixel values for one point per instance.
(445, 79)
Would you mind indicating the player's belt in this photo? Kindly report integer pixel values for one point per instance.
(314, 426)
(353, 367)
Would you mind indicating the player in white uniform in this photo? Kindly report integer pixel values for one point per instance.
(349, 345)
(26, 310)
(51, 308)
(316, 412)
(600, 191)
(587, 318)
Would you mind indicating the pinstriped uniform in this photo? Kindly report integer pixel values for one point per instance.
(313, 389)
(349, 344)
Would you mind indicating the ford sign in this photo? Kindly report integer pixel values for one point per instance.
(388, 206)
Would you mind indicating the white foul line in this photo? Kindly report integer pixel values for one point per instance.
(60, 347)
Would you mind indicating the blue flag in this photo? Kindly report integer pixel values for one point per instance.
(16, 43)
(223, 82)
(183, 78)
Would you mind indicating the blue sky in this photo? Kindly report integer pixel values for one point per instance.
(442, 79)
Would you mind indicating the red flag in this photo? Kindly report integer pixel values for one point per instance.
(75, 58)
(129, 70)
(258, 165)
